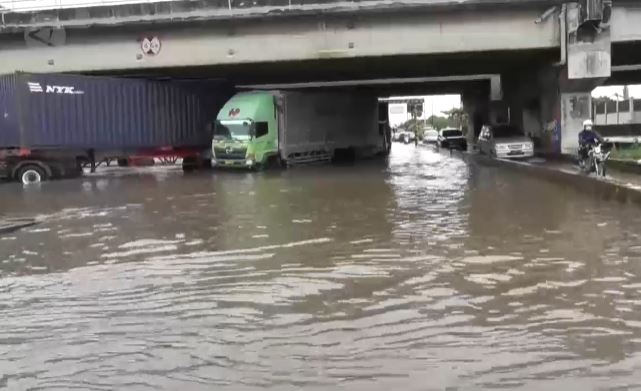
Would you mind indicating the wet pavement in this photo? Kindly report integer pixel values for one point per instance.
(615, 177)
(424, 272)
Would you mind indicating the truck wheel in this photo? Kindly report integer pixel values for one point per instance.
(123, 162)
(190, 164)
(31, 174)
(273, 163)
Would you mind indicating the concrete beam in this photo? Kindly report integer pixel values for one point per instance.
(34, 16)
(291, 39)
(626, 22)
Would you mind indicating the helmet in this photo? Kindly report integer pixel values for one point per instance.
(587, 123)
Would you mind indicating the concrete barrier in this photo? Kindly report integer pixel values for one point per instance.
(625, 166)
(608, 189)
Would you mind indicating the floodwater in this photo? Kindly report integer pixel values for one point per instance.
(421, 273)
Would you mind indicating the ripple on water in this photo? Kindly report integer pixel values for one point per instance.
(359, 278)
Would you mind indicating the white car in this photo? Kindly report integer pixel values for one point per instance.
(505, 142)
(452, 138)
(430, 136)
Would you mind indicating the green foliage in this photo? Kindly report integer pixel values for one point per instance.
(413, 125)
(457, 118)
(628, 153)
(438, 122)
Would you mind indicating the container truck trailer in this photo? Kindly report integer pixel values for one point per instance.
(51, 123)
(274, 128)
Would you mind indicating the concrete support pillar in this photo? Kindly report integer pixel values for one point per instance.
(549, 107)
(550, 103)
(565, 104)
(476, 106)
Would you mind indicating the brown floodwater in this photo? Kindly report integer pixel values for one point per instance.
(424, 272)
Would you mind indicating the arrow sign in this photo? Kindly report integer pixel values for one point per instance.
(45, 36)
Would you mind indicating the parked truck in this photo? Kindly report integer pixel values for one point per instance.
(261, 129)
(50, 124)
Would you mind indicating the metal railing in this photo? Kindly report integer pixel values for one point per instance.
(42, 5)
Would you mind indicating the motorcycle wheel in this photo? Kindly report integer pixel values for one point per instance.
(601, 169)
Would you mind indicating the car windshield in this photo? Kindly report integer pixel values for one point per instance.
(452, 133)
(237, 130)
(505, 132)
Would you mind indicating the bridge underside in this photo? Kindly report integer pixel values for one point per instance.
(366, 68)
(306, 40)
(401, 52)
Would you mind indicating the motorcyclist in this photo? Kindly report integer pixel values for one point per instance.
(588, 138)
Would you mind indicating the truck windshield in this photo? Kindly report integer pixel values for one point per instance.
(237, 130)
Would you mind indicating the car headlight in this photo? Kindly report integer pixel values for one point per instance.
(501, 147)
(528, 146)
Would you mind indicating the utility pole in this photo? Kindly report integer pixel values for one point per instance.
(415, 107)
(616, 95)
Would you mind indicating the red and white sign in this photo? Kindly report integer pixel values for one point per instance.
(151, 45)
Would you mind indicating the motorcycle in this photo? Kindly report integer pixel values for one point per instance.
(595, 161)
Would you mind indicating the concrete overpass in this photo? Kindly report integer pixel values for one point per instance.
(210, 33)
(545, 64)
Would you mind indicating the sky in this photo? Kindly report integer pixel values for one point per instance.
(434, 104)
(610, 91)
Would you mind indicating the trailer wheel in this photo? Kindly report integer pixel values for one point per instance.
(31, 174)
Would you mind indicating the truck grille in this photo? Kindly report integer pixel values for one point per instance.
(230, 153)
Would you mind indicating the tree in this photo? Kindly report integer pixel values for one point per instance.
(457, 118)
(413, 125)
(438, 122)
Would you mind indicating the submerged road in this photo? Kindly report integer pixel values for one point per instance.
(424, 272)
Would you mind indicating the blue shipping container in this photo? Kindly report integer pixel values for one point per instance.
(104, 113)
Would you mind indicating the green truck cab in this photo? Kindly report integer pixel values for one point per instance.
(246, 131)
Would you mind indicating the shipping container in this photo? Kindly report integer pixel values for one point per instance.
(85, 116)
(54, 110)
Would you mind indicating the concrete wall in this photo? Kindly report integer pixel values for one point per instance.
(626, 22)
(575, 108)
(625, 117)
(247, 41)
(22, 14)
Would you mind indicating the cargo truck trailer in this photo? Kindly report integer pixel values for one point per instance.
(51, 124)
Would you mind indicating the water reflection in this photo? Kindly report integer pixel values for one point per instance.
(424, 272)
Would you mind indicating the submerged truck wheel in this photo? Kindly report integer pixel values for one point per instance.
(31, 174)
(190, 164)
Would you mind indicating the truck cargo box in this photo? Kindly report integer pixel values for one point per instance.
(327, 121)
(103, 113)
